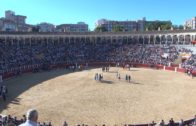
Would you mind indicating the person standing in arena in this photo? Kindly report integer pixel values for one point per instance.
(4, 96)
(103, 69)
(3, 92)
(119, 76)
(129, 78)
(32, 118)
(126, 77)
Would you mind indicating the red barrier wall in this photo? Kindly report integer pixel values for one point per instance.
(143, 65)
(181, 70)
(28, 69)
(170, 68)
(159, 66)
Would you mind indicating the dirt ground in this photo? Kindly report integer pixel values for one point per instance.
(77, 98)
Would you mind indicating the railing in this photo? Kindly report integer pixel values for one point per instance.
(103, 33)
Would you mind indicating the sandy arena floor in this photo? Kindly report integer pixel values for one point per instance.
(77, 98)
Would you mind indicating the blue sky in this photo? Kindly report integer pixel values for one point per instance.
(73, 11)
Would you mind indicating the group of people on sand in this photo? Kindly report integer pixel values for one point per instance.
(98, 77)
(127, 77)
(105, 69)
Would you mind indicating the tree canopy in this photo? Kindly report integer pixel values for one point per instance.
(100, 29)
(155, 25)
(117, 28)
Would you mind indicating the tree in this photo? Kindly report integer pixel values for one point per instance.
(166, 26)
(154, 25)
(181, 27)
(100, 29)
(117, 28)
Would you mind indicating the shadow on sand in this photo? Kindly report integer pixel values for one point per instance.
(133, 82)
(107, 82)
(19, 84)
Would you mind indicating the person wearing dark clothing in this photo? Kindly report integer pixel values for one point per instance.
(129, 78)
(171, 122)
(119, 76)
(162, 123)
(4, 96)
(126, 77)
(103, 69)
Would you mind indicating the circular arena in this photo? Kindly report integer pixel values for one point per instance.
(56, 73)
(76, 97)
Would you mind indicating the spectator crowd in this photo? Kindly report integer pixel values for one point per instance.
(14, 56)
(31, 119)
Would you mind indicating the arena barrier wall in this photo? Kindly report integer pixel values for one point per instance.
(181, 70)
(170, 68)
(30, 68)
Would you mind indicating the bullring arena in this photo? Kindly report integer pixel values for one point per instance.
(76, 97)
(55, 73)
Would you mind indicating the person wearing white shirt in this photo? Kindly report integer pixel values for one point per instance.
(32, 117)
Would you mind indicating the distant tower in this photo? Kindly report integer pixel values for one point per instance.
(10, 15)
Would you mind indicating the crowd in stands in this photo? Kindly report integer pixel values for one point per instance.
(147, 54)
(27, 119)
(13, 56)
(190, 63)
(14, 121)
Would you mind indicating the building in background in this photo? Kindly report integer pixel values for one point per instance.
(79, 27)
(7, 25)
(126, 25)
(191, 24)
(18, 19)
(46, 27)
(12, 22)
(10, 15)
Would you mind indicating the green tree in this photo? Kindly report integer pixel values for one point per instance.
(154, 25)
(100, 29)
(181, 27)
(166, 26)
(117, 28)
(178, 27)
